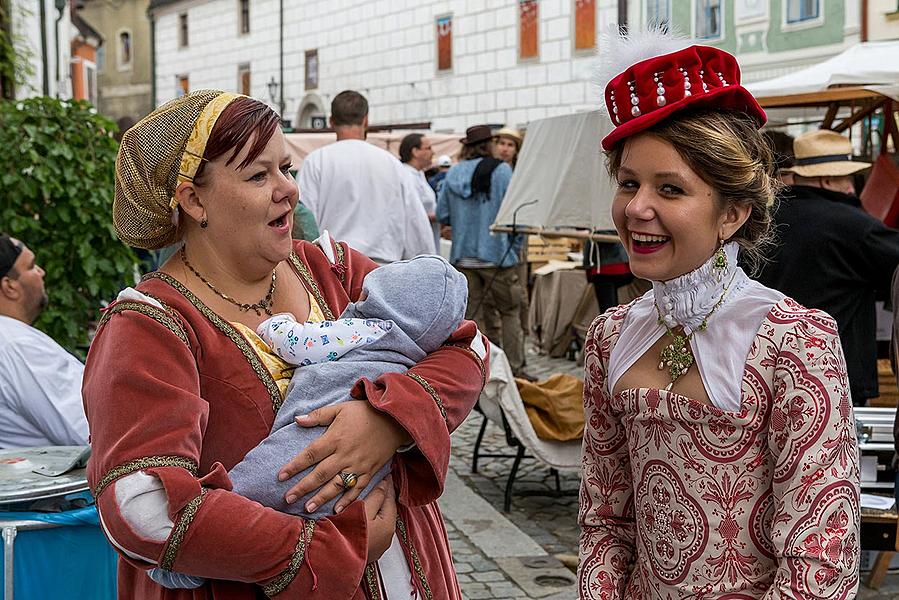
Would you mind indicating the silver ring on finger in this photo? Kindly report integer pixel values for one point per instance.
(348, 479)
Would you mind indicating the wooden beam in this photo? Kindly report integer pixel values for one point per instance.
(821, 98)
(831, 115)
(581, 234)
(858, 116)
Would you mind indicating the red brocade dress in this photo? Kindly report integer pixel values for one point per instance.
(175, 395)
(681, 499)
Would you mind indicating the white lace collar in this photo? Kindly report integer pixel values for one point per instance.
(687, 300)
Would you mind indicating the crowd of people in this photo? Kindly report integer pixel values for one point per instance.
(271, 409)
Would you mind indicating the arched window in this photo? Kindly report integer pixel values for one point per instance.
(124, 49)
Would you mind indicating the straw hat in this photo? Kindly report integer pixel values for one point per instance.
(824, 153)
(508, 132)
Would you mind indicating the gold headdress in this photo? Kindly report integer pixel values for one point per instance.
(161, 151)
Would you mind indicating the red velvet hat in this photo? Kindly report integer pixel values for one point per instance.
(696, 77)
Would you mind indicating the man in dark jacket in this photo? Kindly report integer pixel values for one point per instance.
(831, 254)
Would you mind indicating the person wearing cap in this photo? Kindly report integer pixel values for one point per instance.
(178, 386)
(360, 193)
(416, 156)
(720, 456)
(40, 383)
(830, 254)
(507, 145)
(444, 163)
(468, 202)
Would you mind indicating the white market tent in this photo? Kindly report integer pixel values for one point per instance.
(852, 85)
(562, 167)
(870, 65)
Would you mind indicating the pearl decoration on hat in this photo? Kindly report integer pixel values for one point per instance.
(660, 90)
(614, 107)
(687, 84)
(705, 88)
(635, 109)
(721, 78)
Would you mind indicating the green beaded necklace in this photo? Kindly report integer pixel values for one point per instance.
(677, 356)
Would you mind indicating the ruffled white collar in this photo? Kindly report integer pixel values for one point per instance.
(721, 349)
(687, 300)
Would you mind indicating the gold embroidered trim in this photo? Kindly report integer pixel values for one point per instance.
(231, 333)
(477, 359)
(286, 577)
(148, 310)
(371, 579)
(416, 563)
(341, 260)
(187, 516)
(313, 287)
(430, 390)
(147, 462)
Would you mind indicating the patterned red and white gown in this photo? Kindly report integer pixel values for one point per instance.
(680, 499)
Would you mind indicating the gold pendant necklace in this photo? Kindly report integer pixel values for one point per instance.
(263, 305)
(677, 356)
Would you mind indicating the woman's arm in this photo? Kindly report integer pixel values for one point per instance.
(147, 422)
(815, 485)
(606, 513)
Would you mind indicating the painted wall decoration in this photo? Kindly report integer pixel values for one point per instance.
(584, 24)
(445, 43)
(311, 69)
(528, 22)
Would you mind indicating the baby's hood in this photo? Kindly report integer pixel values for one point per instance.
(424, 296)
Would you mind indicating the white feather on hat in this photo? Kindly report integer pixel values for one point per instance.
(619, 50)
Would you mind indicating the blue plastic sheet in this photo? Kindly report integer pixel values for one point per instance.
(72, 560)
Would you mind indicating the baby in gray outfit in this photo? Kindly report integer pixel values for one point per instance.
(408, 309)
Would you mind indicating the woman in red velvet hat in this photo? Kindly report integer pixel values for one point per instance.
(720, 456)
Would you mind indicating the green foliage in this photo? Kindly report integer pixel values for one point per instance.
(15, 63)
(56, 190)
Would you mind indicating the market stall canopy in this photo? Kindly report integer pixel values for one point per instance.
(871, 66)
(301, 144)
(562, 167)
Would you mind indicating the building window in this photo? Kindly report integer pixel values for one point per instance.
(182, 86)
(182, 30)
(708, 19)
(243, 16)
(802, 10)
(311, 69)
(445, 43)
(90, 82)
(584, 24)
(658, 12)
(528, 21)
(124, 50)
(243, 79)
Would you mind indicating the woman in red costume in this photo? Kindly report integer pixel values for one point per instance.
(720, 456)
(178, 387)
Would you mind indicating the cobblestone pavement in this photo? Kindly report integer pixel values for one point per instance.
(550, 522)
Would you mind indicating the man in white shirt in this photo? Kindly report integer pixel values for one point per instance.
(416, 155)
(40, 383)
(360, 193)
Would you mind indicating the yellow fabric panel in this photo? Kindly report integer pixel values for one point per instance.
(555, 406)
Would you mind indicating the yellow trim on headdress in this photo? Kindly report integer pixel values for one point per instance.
(196, 143)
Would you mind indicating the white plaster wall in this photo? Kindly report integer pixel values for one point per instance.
(883, 20)
(386, 49)
(26, 22)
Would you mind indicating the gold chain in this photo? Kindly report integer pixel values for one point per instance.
(263, 305)
(677, 356)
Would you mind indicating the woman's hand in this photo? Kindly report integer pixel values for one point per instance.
(380, 514)
(359, 440)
